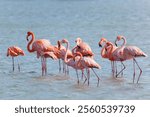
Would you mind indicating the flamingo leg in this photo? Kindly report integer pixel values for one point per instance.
(134, 71)
(139, 69)
(42, 66)
(59, 66)
(45, 66)
(82, 73)
(67, 69)
(116, 68)
(63, 67)
(121, 69)
(113, 68)
(88, 77)
(96, 76)
(13, 64)
(84, 76)
(18, 65)
(77, 76)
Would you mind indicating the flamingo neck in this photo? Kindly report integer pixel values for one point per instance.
(124, 41)
(103, 51)
(111, 49)
(29, 44)
(65, 59)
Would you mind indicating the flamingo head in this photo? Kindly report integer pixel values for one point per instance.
(28, 34)
(78, 40)
(64, 41)
(102, 40)
(119, 37)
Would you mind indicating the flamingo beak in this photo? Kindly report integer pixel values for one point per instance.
(100, 45)
(116, 42)
(27, 38)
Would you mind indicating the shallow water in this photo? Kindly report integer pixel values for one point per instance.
(57, 19)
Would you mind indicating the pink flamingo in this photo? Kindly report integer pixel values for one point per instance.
(82, 63)
(105, 52)
(73, 62)
(129, 52)
(15, 51)
(62, 55)
(88, 63)
(39, 46)
(83, 48)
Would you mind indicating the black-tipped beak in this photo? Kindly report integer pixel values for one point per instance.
(27, 38)
(116, 44)
(100, 45)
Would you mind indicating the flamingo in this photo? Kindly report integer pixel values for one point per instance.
(83, 48)
(90, 63)
(39, 46)
(73, 62)
(129, 52)
(62, 55)
(83, 62)
(105, 52)
(15, 51)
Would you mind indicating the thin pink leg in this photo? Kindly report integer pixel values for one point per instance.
(121, 69)
(42, 66)
(139, 69)
(98, 78)
(134, 71)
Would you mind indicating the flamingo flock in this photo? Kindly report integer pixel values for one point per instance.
(81, 56)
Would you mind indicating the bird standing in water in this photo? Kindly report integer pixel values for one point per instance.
(15, 51)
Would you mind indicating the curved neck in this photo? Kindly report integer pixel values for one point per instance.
(103, 51)
(65, 59)
(111, 49)
(124, 41)
(30, 42)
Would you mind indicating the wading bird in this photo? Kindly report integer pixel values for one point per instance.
(129, 52)
(15, 51)
(41, 46)
(83, 62)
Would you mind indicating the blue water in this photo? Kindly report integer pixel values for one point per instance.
(58, 19)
